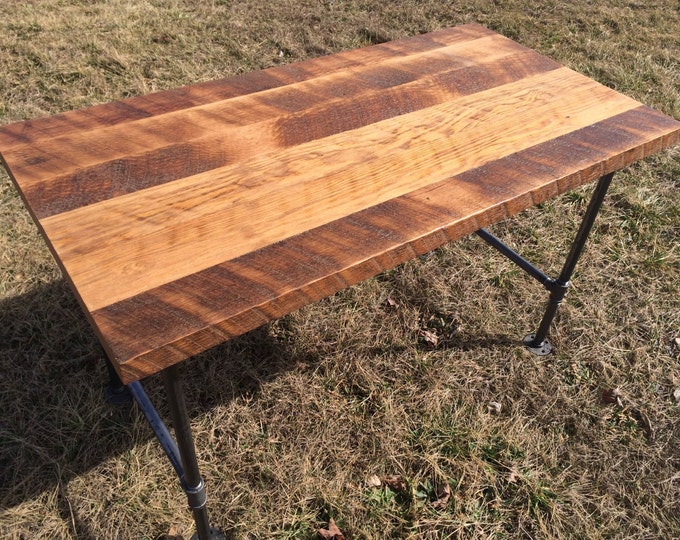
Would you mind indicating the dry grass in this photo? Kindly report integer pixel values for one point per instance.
(293, 419)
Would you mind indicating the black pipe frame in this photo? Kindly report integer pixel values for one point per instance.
(190, 477)
(538, 342)
(192, 483)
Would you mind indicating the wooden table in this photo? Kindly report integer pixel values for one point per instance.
(187, 217)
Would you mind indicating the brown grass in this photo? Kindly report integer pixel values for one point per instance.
(293, 419)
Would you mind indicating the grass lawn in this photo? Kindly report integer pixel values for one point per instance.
(348, 409)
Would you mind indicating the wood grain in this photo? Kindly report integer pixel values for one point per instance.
(188, 217)
(118, 248)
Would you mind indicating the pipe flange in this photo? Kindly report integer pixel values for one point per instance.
(542, 349)
(215, 534)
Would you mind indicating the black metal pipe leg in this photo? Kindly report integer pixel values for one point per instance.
(538, 343)
(192, 483)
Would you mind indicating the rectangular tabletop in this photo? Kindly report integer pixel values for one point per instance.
(187, 217)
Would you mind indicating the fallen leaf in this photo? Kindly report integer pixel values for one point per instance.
(392, 302)
(443, 494)
(677, 342)
(676, 395)
(396, 483)
(429, 337)
(332, 533)
(172, 534)
(495, 407)
(612, 397)
(373, 481)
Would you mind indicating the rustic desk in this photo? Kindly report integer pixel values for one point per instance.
(184, 218)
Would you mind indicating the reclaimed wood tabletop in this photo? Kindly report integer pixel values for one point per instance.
(187, 217)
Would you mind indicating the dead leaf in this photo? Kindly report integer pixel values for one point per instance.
(443, 494)
(429, 337)
(172, 534)
(373, 481)
(332, 533)
(612, 397)
(396, 483)
(677, 342)
(495, 407)
(392, 302)
(676, 395)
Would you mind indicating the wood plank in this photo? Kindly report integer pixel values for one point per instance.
(118, 248)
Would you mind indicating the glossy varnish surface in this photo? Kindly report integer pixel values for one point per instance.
(187, 217)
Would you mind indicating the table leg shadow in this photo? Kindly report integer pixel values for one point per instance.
(56, 424)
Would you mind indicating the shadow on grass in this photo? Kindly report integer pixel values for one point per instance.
(55, 424)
